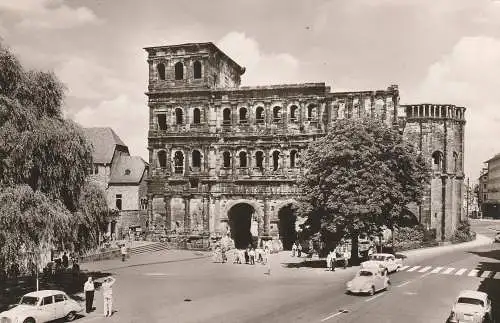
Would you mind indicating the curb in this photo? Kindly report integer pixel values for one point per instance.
(481, 240)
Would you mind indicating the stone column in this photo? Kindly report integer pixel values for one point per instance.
(187, 214)
(150, 212)
(372, 106)
(168, 153)
(206, 167)
(266, 161)
(186, 161)
(206, 213)
(168, 212)
(267, 217)
(217, 214)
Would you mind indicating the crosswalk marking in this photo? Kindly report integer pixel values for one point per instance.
(414, 268)
(403, 268)
(486, 274)
(461, 271)
(449, 270)
(436, 270)
(497, 275)
(473, 273)
(423, 270)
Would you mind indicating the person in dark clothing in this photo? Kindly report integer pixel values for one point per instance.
(65, 260)
(89, 294)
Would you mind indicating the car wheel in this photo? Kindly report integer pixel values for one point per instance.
(487, 319)
(71, 316)
(29, 320)
(372, 291)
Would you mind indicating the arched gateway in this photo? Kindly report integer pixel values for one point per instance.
(286, 226)
(242, 224)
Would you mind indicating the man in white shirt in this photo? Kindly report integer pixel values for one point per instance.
(89, 289)
(123, 251)
(107, 293)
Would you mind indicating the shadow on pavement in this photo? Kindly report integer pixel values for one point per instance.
(489, 285)
(11, 290)
(306, 264)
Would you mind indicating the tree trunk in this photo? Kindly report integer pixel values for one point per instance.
(354, 249)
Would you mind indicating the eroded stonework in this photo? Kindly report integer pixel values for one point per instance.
(215, 146)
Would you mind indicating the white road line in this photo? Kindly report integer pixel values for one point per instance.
(486, 274)
(331, 316)
(373, 297)
(461, 271)
(448, 271)
(423, 270)
(473, 273)
(403, 268)
(436, 270)
(414, 268)
(497, 275)
(402, 284)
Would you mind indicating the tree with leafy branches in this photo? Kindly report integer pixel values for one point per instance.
(359, 177)
(45, 199)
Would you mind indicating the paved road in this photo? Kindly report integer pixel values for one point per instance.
(170, 289)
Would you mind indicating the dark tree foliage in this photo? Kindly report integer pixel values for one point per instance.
(360, 176)
(48, 154)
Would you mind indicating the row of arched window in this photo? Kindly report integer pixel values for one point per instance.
(438, 161)
(242, 159)
(179, 70)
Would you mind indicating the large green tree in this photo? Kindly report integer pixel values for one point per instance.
(360, 176)
(44, 159)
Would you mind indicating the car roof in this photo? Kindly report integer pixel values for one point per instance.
(382, 254)
(473, 294)
(45, 292)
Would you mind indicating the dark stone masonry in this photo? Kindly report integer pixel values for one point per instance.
(226, 157)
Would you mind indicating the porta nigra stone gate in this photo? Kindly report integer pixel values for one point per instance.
(225, 158)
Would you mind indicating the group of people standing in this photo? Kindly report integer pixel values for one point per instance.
(333, 256)
(296, 249)
(107, 293)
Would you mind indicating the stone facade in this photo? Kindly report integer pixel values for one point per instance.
(223, 157)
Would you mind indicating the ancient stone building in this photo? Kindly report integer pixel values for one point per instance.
(226, 157)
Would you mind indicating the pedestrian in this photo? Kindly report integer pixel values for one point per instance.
(329, 261)
(294, 249)
(299, 250)
(267, 253)
(223, 254)
(251, 255)
(107, 293)
(123, 251)
(65, 260)
(346, 258)
(333, 260)
(89, 289)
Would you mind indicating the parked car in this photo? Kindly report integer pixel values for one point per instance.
(471, 306)
(42, 306)
(368, 280)
(388, 261)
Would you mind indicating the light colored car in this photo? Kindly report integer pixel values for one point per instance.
(42, 306)
(471, 306)
(368, 280)
(497, 237)
(385, 260)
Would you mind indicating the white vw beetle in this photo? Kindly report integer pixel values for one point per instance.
(42, 306)
(471, 306)
(385, 260)
(369, 280)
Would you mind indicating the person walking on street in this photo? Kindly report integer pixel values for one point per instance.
(65, 260)
(299, 250)
(329, 261)
(123, 251)
(107, 293)
(89, 289)
(251, 255)
(346, 258)
(294, 249)
(267, 253)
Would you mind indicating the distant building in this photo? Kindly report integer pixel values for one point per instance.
(122, 178)
(489, 187)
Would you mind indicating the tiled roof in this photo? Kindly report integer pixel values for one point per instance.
(127, 169)
(104, 141)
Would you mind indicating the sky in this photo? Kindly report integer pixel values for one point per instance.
(437, 51)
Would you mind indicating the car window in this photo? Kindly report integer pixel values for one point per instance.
(365, 273)
(59, 298)
(468, 300)
(29, 300)
(47, 300)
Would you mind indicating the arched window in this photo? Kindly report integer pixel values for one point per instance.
(455, 162)
(226, 159)
(196, 158)
(162, 121)
(277, 114)
(243, 115)
(226, 116)
(276, 158)
(160, 68)
(162, 158)
(312, 112)
(179, 71)
(259, 115)
(178, 162)
(196, 116)
(293, 113)
(243, 159)
(179, 116)
(293, 159)
(437, 161)
(259, 159)
(197, 70)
